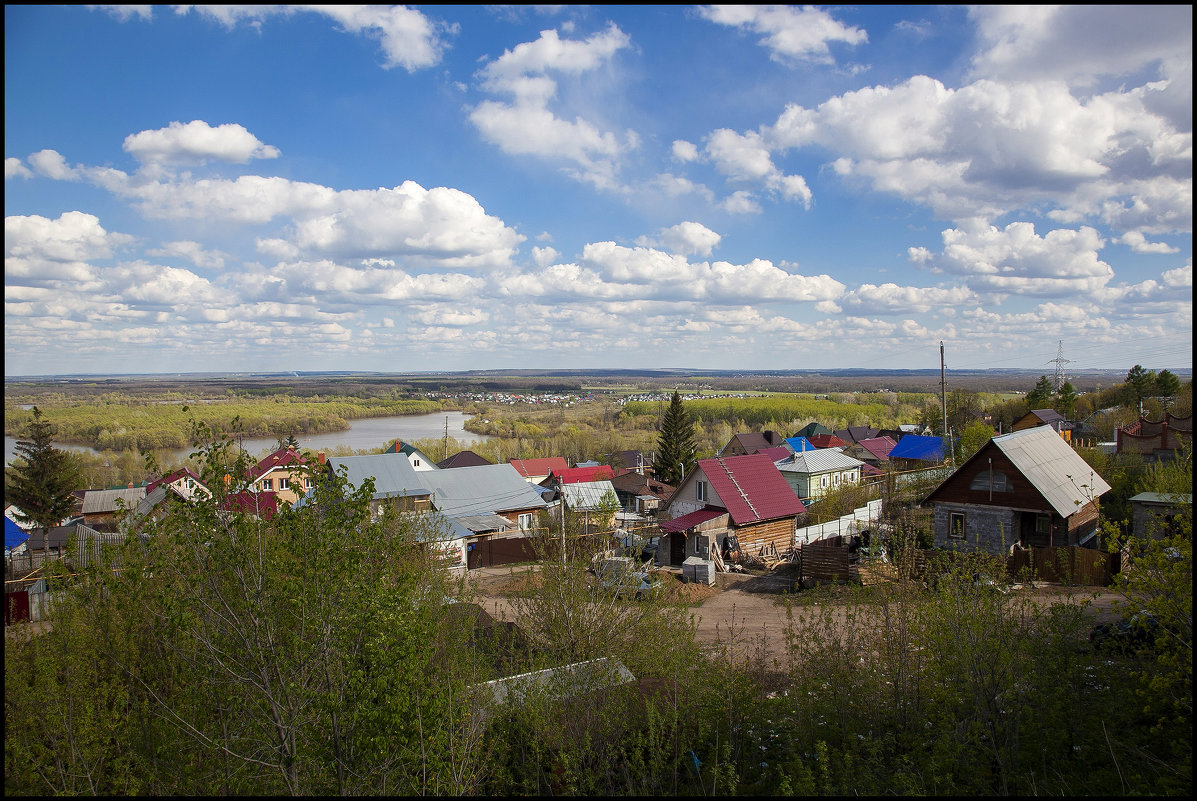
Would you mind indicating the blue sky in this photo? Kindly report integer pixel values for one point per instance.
(467, 187)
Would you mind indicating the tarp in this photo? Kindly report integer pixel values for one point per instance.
(13, 534)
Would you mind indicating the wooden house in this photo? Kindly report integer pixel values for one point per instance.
(100, 507)
(1028, 487)
(752, 442)
(745, 497)
(1045, 417)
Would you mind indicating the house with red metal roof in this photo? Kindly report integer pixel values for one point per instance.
(184, 482)
(281, 473)
(741, 497)
(535, 471)
(826, 441)
(577, 475)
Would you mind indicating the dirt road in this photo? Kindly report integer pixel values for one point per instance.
(749, 614)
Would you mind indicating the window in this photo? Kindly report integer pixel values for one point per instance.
(415, 462)
(267, 484)
(284, 483)
(835, 479)
(307, 483)
(981, 481)
(525, 521)
(700, 490)
(956, 525)
(823, 481)
(1043, 524)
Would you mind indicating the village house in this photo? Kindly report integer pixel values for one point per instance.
(280, 472)
(535, 471)
(184, 482)
(396, 483)
(463, 459)
(101, 507)
(1028, 488)
(751, 442)
(419, 460)
(741, 497)
(1045, 417)
(812, 474)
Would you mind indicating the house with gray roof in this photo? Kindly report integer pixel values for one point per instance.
(496, 489)
(396, 482)
(1027, 488)
(812, 473)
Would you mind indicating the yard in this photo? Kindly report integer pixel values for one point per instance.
(751, 613)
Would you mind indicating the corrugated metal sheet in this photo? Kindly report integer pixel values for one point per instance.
(819, 461)
(586, 494)
(751, 488)
(101, 501)
(1061, 476)
(481, 489)
(917, 446)
(393, 475)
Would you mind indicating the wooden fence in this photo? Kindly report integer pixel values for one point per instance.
(827, 560)
(1072, 566)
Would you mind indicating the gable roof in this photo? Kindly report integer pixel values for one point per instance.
(630, 460)
(283, 457)
(641, 485)
(463, 459)
(573, 475)
(919, 446)
(751, 488)
(799, 444)
(826, 441)
(778, 453)
(531, 468)
(880, 447)
(1054, 469)
(692, 519)
(856, 433)
(105, 501)
(812, 428)
(182, 472)
(478, 490)
(586, 494)
(818, 461)
(1051, 418)
(393, 475)
(754, 441)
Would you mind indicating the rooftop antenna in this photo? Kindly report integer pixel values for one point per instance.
(1059, 361)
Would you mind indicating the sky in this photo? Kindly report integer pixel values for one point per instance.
(447, 188)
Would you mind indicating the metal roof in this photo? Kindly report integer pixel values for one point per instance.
(1062, 477)
(919, 446)
(751, 488)
(393, 475)
(818, 461)
(587, 494)
(101, 501)
(480, 489)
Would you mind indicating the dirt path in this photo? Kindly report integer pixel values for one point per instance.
(749, 613)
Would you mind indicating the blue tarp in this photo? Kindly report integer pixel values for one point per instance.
(917, 446)
(799, 444)
(14, 535)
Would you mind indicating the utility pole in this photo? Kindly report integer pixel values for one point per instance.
(943, 390)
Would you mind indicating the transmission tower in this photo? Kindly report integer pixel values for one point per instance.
(1059, 361)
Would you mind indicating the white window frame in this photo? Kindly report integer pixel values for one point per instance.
(284, 483)
(267, 485)
(700, 491)
(524, 521)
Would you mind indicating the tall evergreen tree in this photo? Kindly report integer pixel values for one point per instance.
(1140, 384)
(675, 444)
(41, 482)
(1167, 385)
(1066, 399)
(1041, 396)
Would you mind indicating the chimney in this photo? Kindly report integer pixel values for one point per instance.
(320, 457)
(130, 485)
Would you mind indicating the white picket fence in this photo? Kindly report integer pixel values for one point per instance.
(864, 517)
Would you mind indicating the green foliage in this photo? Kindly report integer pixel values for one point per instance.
(675, 444)
(1041, 396)
(1066, 398)
(41, 479)
(972, 438)
(1140, 383)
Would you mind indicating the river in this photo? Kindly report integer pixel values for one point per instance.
(369, 433)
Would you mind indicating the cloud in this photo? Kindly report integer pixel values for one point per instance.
(197, 142)
(194, 252)
(891, 298)
(685, 151)
(791, 34)
(525, 125)
(741, 202)
(51, 164)
(1138, 243)
(686, 238)
(38, 250)
(408, 38)
(13, 168)
(1015, 260)
(1078, 43)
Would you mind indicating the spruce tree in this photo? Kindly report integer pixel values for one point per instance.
(40, 483)
(675, 444)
